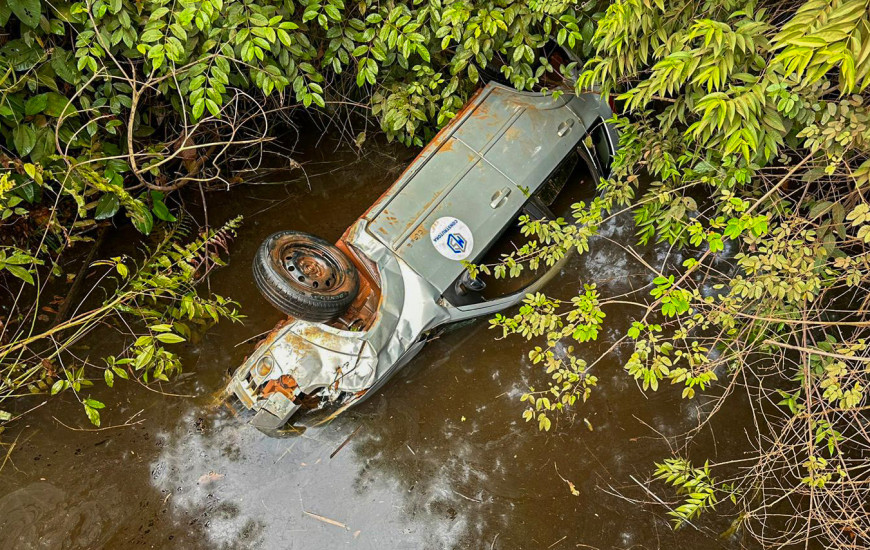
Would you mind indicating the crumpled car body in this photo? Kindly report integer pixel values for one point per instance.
(453, 203)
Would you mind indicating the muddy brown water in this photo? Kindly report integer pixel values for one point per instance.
(439, 458)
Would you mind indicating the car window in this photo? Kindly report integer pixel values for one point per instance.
(599, 143)
(555, 184)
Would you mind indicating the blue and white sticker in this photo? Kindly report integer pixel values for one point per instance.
(452, 238)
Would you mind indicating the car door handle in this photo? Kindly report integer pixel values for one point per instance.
(564, 127)
(500, 197)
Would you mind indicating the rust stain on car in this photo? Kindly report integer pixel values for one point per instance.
(286, 385)
(314, 336)
(448, 146)
(440, 138)
(419, 232)
(481, 112)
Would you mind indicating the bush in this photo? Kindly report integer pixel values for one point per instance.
(761, 109)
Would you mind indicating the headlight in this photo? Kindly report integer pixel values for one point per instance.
(264, 366)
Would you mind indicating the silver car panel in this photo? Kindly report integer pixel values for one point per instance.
(501, 146)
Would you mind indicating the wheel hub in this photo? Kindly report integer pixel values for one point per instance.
(311, 269)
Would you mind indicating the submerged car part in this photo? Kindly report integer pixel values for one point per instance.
(506, 154)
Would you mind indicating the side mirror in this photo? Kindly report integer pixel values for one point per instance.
(466, 284)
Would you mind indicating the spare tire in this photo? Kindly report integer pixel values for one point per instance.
(305, 276)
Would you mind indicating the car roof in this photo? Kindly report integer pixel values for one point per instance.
(480, 169)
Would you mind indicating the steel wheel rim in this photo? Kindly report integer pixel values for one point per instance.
(310, 268)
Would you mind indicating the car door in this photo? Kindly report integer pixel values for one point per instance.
(462, 224)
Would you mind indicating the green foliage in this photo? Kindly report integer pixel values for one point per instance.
(158, 296)
(96, 78)
(747, 123)
(700, 489)
(18, 263)
(570, 377)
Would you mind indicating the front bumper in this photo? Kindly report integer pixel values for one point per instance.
(272, 412)
(301, 360)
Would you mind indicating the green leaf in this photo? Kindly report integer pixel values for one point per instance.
(472, 73)
(29, 191)
(142, 219)
(5, 13)
(36, 104)
(28, 11)
(22, 55)
(169, 338)
(862, 174)
(162, 212)
(20, 272)
(107, 206)
(424, 53)
(198, 108)
(43, 145)
(64, 65)
(24, 138)
(332, 12)
(93, 415)
(212, 107)
(57, 105)
(151, 35)
(819, 208)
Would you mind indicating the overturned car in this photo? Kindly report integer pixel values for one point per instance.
(362, 308)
